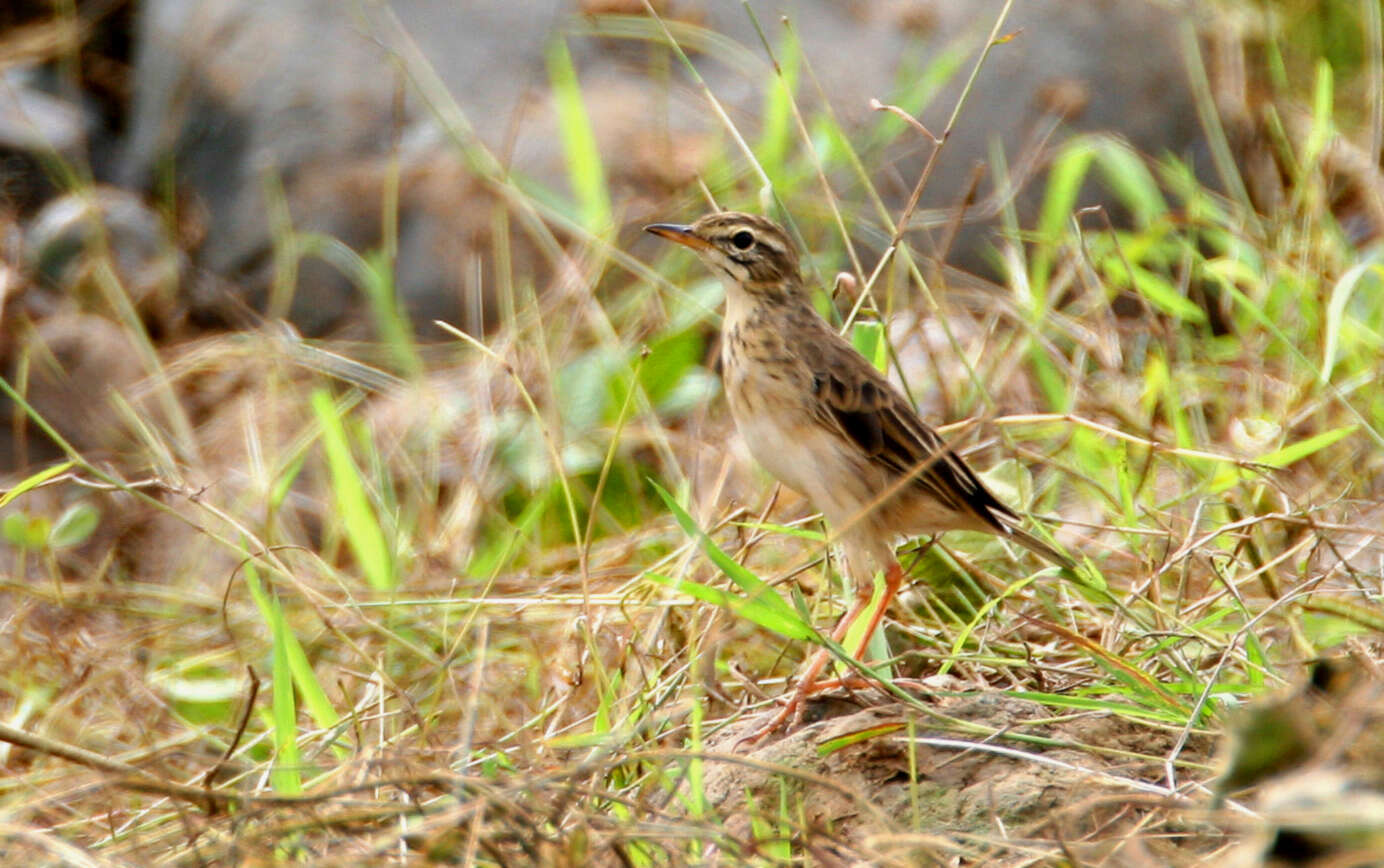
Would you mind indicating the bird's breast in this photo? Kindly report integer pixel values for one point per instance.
(769, 391)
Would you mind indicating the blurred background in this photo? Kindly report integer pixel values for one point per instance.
(238, 158)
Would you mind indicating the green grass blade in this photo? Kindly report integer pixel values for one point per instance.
(777, 119)
(584, 169)
(764, 616)
(363, 532)
(1068, 173)
(816, 536)
(285, 775)
(1303, 448)
(1087, 703)
(31, 482)
(373, 275)
(319, 707)
(1158, 290)
(761, 595)
(965, 633)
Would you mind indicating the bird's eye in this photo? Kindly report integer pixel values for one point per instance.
(742, 240)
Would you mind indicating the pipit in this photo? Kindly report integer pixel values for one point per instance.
(827, 424)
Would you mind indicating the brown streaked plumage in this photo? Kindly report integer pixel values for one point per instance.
(829, 425)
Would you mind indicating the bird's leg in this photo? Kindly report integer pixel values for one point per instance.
(808, 684)
(893, 580)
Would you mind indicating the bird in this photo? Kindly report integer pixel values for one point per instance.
(826, 423)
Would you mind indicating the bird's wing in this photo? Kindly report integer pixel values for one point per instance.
(858, 402)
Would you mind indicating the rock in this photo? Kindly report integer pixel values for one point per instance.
(77, 360)
(244, 97)
(35, 127)
(72, 234)
(37, 123)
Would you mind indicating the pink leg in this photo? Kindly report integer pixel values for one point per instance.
(808, 683)
(893, 580)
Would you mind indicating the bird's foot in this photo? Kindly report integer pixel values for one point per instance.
(788, 717)
(811, 683)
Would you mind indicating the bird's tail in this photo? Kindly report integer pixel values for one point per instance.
(1040, 547)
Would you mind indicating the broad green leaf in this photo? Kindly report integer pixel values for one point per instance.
(869, 340)
(583, 393)
(1341, 294)
(670, 360)
(1125, 172)
(75, 526)
(25, 531)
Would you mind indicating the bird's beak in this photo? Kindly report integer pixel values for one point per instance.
(679, 233)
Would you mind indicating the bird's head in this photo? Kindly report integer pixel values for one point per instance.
(745, 250)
